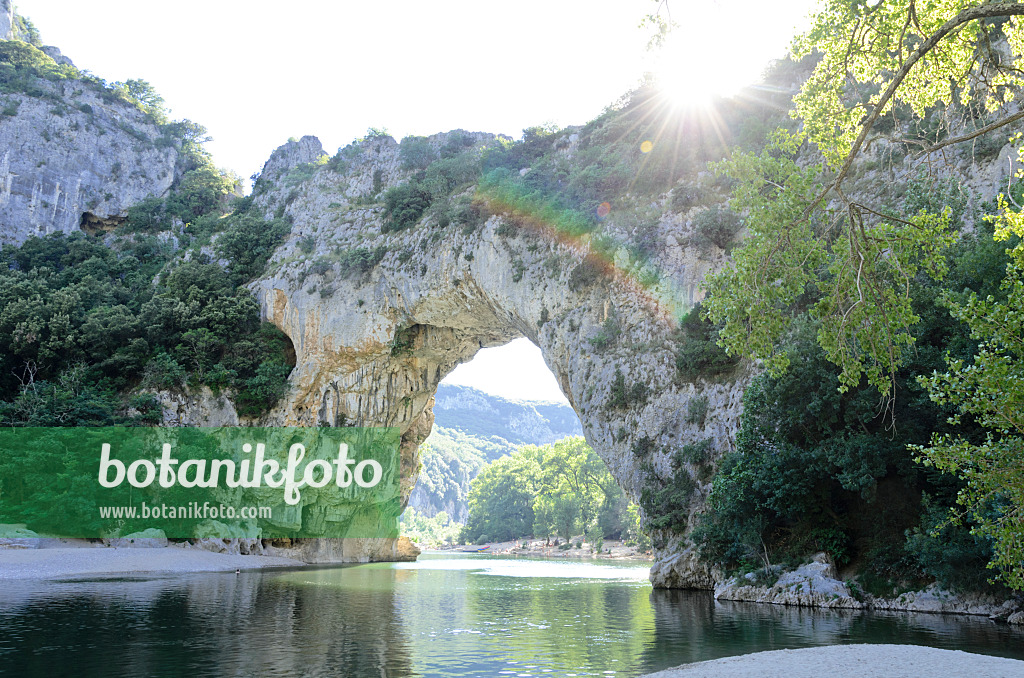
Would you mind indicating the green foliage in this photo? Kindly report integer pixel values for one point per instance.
(859, 290)
(72, 306)
(437, 531)
(200, 192)
(818, 469)
(25, 30)
(856, 266)
(858, 271)
(145, 97)
(457, 143)
(697, 410)
(247, 242)
(501, 500)
(22, 66)
(608, 335)
(188, 137)
(666, 501)
(987, 388)
(468, 213)
(444, 176)
(376, 133)
(303, 172)
(625, 396)
(561, 489)
(954, 555)
(695, 454)
(416, 152)
(948, 72)
(715, 226)
(10, 108)
(404, 205)
(698, 354)
(361, 260)
(99, 321)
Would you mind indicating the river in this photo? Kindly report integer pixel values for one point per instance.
(448, 615)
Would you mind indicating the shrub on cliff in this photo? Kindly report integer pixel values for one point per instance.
(697, 351)
(404, 205)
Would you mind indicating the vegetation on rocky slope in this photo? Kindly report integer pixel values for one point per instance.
(86, 322)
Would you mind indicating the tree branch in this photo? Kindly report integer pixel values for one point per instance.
(985, 11)
(967, 137)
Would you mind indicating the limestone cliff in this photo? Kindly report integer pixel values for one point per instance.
(372, 343)
(80, 169)
(6, 20)
(379, 314)
(73, 154)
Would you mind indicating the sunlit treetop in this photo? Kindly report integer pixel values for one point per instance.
(876, 55)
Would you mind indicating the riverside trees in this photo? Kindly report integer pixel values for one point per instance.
(816, 249)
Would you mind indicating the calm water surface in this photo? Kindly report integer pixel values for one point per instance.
(442, 616)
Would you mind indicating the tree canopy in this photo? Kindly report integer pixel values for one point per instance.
(917, 79)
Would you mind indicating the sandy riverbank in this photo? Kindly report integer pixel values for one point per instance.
(852, 661)
(61, 563)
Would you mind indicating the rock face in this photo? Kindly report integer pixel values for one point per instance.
(146, 539)
(6, 20)
(815, 585)
(198, 407)
(810, 585)
(372, 345)
(77, 164)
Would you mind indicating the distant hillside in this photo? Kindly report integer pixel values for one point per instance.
(472, 428)
(520, 422)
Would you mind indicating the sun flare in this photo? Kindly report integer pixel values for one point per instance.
(692, 71)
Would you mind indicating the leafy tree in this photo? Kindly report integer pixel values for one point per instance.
(854, 266)
(145, 96)
(436, 531)
(404, 205)
(989, 388)
(201, 191)
(857, 260)
(501, 499)
(415, 152)
(561, 489)
(817, 469)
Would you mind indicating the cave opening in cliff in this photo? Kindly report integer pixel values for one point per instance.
(94, 225)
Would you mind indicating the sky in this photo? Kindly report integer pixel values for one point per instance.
(256, 73)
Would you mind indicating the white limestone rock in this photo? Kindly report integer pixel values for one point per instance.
(197, 407)
(77, 165)
(810, 585)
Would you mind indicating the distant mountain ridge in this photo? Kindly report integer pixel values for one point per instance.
(472, 428)
(523, 422)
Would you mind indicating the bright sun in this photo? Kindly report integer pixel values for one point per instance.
(693, 70)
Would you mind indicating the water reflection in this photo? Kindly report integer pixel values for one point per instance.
(692, 626)
(466, 616)
(202, 625)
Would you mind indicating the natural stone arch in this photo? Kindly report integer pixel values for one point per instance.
(372, 346)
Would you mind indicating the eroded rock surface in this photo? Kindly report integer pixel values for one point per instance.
(76, 161)
(373, 342)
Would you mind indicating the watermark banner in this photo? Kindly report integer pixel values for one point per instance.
(283, 482)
